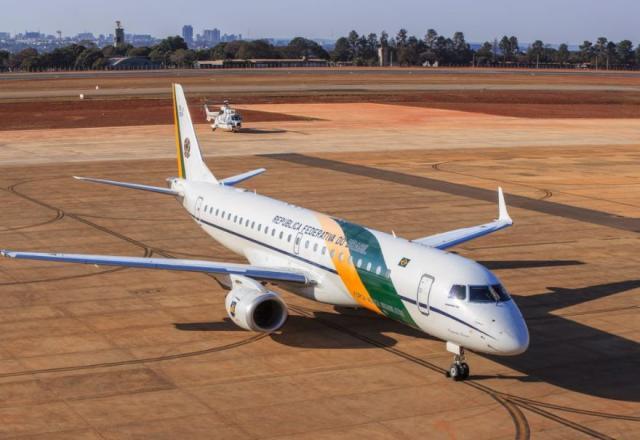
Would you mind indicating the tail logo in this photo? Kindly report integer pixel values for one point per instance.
(187, 148)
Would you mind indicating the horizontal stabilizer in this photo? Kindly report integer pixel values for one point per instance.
(156, 189)
(234, 180)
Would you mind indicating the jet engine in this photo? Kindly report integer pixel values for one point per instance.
(256, 310)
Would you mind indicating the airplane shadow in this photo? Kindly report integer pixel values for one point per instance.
(261, 131)
(562, 352)
(311, 332)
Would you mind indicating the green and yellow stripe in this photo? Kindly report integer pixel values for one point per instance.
(181, 168)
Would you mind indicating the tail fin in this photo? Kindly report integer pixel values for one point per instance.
(190, 163)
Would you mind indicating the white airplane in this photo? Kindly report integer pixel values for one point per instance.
(329, 260)
(227, 118)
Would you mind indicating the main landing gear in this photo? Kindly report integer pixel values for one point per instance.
(459, 370)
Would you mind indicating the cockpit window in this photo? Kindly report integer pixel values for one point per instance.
(458, 292)
(493, 293)
(481, 294)
(501, 291)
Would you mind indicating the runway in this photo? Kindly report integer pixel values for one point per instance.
(91, 352)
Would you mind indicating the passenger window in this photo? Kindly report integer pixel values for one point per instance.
(378, 270)
(359, 262)
(306, 245)
(298, 238)
(218, 212)
(350, 260)
(266, 229)
(332, 253)
(259, 227)
(387, 274)
(289, 239)
(324, 250)
(240, 222)
(315, 247)
(281, 234)
(340, 256)
(229, 216)
(253, 225)
(273, 232)
(211, 210)
(247, 223)
(458, 292)
(206, 208)
(369, 266)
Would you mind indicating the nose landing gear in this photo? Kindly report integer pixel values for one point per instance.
(459, 370)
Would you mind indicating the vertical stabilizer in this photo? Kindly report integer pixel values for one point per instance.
(191, 166)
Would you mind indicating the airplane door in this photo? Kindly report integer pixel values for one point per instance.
(296, 243)
(199, 208)
(424, 291)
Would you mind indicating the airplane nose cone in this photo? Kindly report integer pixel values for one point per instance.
(515, 340)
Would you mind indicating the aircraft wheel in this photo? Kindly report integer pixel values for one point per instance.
(455, 372)
(464, 367)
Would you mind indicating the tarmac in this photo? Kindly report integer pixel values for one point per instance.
(91, 352)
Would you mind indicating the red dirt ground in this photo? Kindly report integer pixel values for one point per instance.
(127, 112)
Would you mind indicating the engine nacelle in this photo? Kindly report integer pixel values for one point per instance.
(256, 310)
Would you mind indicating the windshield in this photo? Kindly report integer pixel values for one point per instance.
(493, 293)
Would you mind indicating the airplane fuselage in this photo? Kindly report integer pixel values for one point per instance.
(356, 266)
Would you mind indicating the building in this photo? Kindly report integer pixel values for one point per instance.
(130, 63)
(5, 36)
(261, 63)
(211, 36)
(187, 34)
(119, 39)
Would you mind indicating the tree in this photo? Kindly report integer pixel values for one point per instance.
(26, 59)
(505, 48)
(88, 58)
(401, 38)
(353, 38)
(4, 60)
(624, 53)
(484, 55)
(139, 51)
(430, 38)
(536, 52)
(301, 47)
(587, 51)
(182, 58)
(563, 54)
(384, 39)
(462, 53)
(342, 50)
(515, 48)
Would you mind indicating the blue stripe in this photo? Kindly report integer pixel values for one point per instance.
(268, 246)
(443, 313)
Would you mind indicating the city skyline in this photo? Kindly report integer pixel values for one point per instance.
(570, 21)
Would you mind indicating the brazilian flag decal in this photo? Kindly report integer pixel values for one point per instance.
(363, 245)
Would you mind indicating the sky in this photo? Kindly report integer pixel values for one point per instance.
(552, 21)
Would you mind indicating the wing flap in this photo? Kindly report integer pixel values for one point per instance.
(255, 272)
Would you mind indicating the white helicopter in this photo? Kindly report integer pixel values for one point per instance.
(227, 118)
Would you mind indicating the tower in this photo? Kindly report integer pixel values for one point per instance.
(119, 41)
(187, 34)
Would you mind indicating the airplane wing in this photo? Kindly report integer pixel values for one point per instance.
(255, 272)
(449, 239)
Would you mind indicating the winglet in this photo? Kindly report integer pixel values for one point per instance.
(503, 215)
(5, 253)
